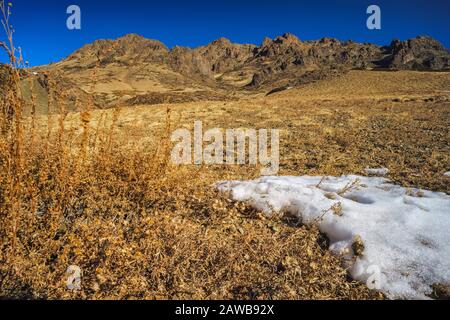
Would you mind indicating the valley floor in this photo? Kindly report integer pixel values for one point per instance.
(397, 120)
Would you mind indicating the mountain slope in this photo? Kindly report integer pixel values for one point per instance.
(133, 68)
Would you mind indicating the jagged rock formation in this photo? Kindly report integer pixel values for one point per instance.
(421, 53)
(272, 57)
(217, 57)
(133, 66)
(288, 53)
(126, 51)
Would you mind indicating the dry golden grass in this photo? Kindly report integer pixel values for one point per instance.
(322, 136)
(96, 189)
(403, 85)
(137, 226)
(72, 193)
(142, 228)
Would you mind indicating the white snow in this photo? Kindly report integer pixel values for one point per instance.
(447, 174)
(405, 232)
(377, 171)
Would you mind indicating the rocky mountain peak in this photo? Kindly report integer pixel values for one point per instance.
(329, 41)
(421, 53)
(287, 38)
(287, 44)
(418, 44)
(137, 40)
(130, 47)
(221, 42)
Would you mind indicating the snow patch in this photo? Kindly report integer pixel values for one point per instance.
(405, 232)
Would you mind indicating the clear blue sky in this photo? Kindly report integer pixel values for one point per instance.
(41, 25)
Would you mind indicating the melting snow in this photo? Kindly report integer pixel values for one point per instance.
(405, 232)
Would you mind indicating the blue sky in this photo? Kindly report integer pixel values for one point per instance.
(41, 25)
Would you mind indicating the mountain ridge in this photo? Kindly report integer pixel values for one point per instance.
(268, 46)
(133, 68)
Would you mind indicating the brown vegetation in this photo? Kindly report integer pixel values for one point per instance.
(95, 188)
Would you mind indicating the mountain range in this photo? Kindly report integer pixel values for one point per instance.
(135, 70)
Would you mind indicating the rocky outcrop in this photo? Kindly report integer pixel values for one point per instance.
(221, 55)
(288, 55)
(421, 53)
(217, 57)
(126, 50)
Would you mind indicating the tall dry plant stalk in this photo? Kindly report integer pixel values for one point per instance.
(52, 180)
(12, 132)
